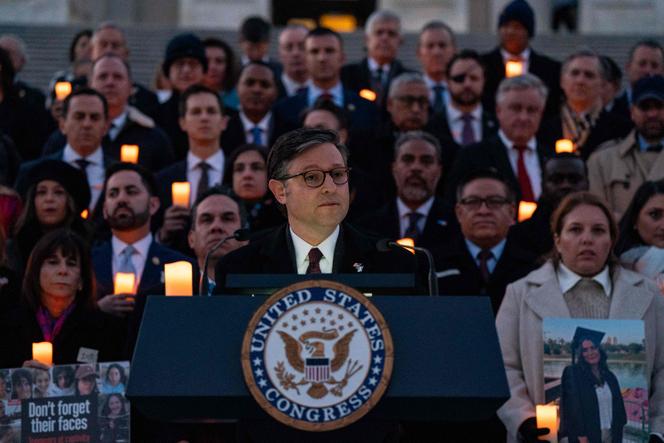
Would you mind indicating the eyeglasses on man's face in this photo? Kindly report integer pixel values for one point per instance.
(314, 178)
(492, 202)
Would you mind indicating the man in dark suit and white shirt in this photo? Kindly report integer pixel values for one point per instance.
(292, 56)
(435, 48)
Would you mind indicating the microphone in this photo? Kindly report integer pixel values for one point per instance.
(241, 234)
(385, 245)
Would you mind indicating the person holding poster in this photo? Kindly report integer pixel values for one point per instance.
(591, 405)
(580, 280)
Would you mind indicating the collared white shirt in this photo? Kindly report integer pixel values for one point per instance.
(215, 173)
(326, 247)
(291, 85)
(117, 124)
(374, 66)
(604, 405)
(404, 210)
(248, 126)
(455, 122)
(524, 57)
(95, 171)
(567, 279)
(337, 93)
(137, 259)
(530, 159)
(496, 251)
(432, 95)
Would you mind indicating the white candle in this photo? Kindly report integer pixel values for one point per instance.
(43, 352)
(178, 276)
(547, 417)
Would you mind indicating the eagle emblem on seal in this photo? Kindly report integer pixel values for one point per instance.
(308, 355)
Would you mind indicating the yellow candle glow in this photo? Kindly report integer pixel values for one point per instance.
(526, 210)
(408, 243)
(547, 417)
(124, 283)
(178, 276)
(513, 68)
(129, 153)
(564, 145)
(43, 352)
(368, 94)
(181, 192)
(85, 213)
(62, 90)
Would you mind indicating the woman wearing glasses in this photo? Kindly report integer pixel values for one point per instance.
(580, 280)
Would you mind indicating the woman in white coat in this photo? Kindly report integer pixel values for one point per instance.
(581, 279)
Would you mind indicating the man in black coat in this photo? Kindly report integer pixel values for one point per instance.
(309, 175)
(516, 26)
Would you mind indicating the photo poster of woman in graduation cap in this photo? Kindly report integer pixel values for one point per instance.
(595, 371)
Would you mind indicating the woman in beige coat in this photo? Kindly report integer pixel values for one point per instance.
(580, 280)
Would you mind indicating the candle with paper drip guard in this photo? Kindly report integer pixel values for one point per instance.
(179, 278)
(43, 352)
(129, 153)
(526, 210)
(564, 145)
(513, 68)
(124, 283)
(181, 192)
(547, 417)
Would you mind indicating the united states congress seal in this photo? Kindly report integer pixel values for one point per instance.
(317, 355)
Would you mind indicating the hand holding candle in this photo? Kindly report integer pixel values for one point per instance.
(526, 210)
(129, 153)
(178, 276)
(181, 192)
(124, 283)
(547, 417)
(43, 352)
(513, 68)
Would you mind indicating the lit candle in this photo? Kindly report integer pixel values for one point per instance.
(408, 243)
(85, 213)
(547, 417)
(181, 193)
(124, 283)
(62, 90)
(178, 276)
(513, 68)
(526, 210)
(564, 145)
(43, 352)
(129, 153)
(368, 94)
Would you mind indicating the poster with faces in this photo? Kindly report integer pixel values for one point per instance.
(595, 378)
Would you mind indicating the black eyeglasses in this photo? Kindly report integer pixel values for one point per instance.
(315, 178)
(410, 100)
(493, 202)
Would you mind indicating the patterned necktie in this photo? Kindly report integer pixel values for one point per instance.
(257, 134)
(126, 265)
(527, 193)
(314, 261)
(438, 101)
(204, 181)
(484, 256)
(413, 230)
(467, 133)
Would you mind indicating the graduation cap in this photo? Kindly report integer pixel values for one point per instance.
(581, 334)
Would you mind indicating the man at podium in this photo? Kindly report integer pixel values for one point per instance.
(308, 174)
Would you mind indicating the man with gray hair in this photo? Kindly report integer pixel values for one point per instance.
(295, 75)
(382, 38)
(308, 175)
(515, 152)
(435, 48)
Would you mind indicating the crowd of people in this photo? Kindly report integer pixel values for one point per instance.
(316, 159)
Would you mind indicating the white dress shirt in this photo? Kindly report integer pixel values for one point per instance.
(290, 85)
(117, 124)
(264, 126)
(404, 220)
(455, 122)
(215, 173)
(374, 66)
(604, 405)
(530, 159)
(137, 259)
(336, 91)
(326, 247)
(567, 279)
(524, 57)
(95, 171)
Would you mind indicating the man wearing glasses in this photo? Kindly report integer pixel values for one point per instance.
(482, 260)
(308, 175)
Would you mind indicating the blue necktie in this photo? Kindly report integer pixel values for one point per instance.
(126, 265)
(257, 133)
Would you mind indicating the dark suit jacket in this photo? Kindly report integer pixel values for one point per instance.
(438, 228)
(362, 114)
(273, 253)
(357, 76)
(458, 274)
(235, 134)
(534, 234)
(145, 100)
(608, 126)
(579, 410)
(89, 328)
(490, 153)
(489, 126)
(547, 69)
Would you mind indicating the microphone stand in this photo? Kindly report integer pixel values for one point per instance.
(240, 234)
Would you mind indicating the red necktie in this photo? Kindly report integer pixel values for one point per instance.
(314, 261)
(522, 175)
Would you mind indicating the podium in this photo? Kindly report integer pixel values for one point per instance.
(447, 362)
